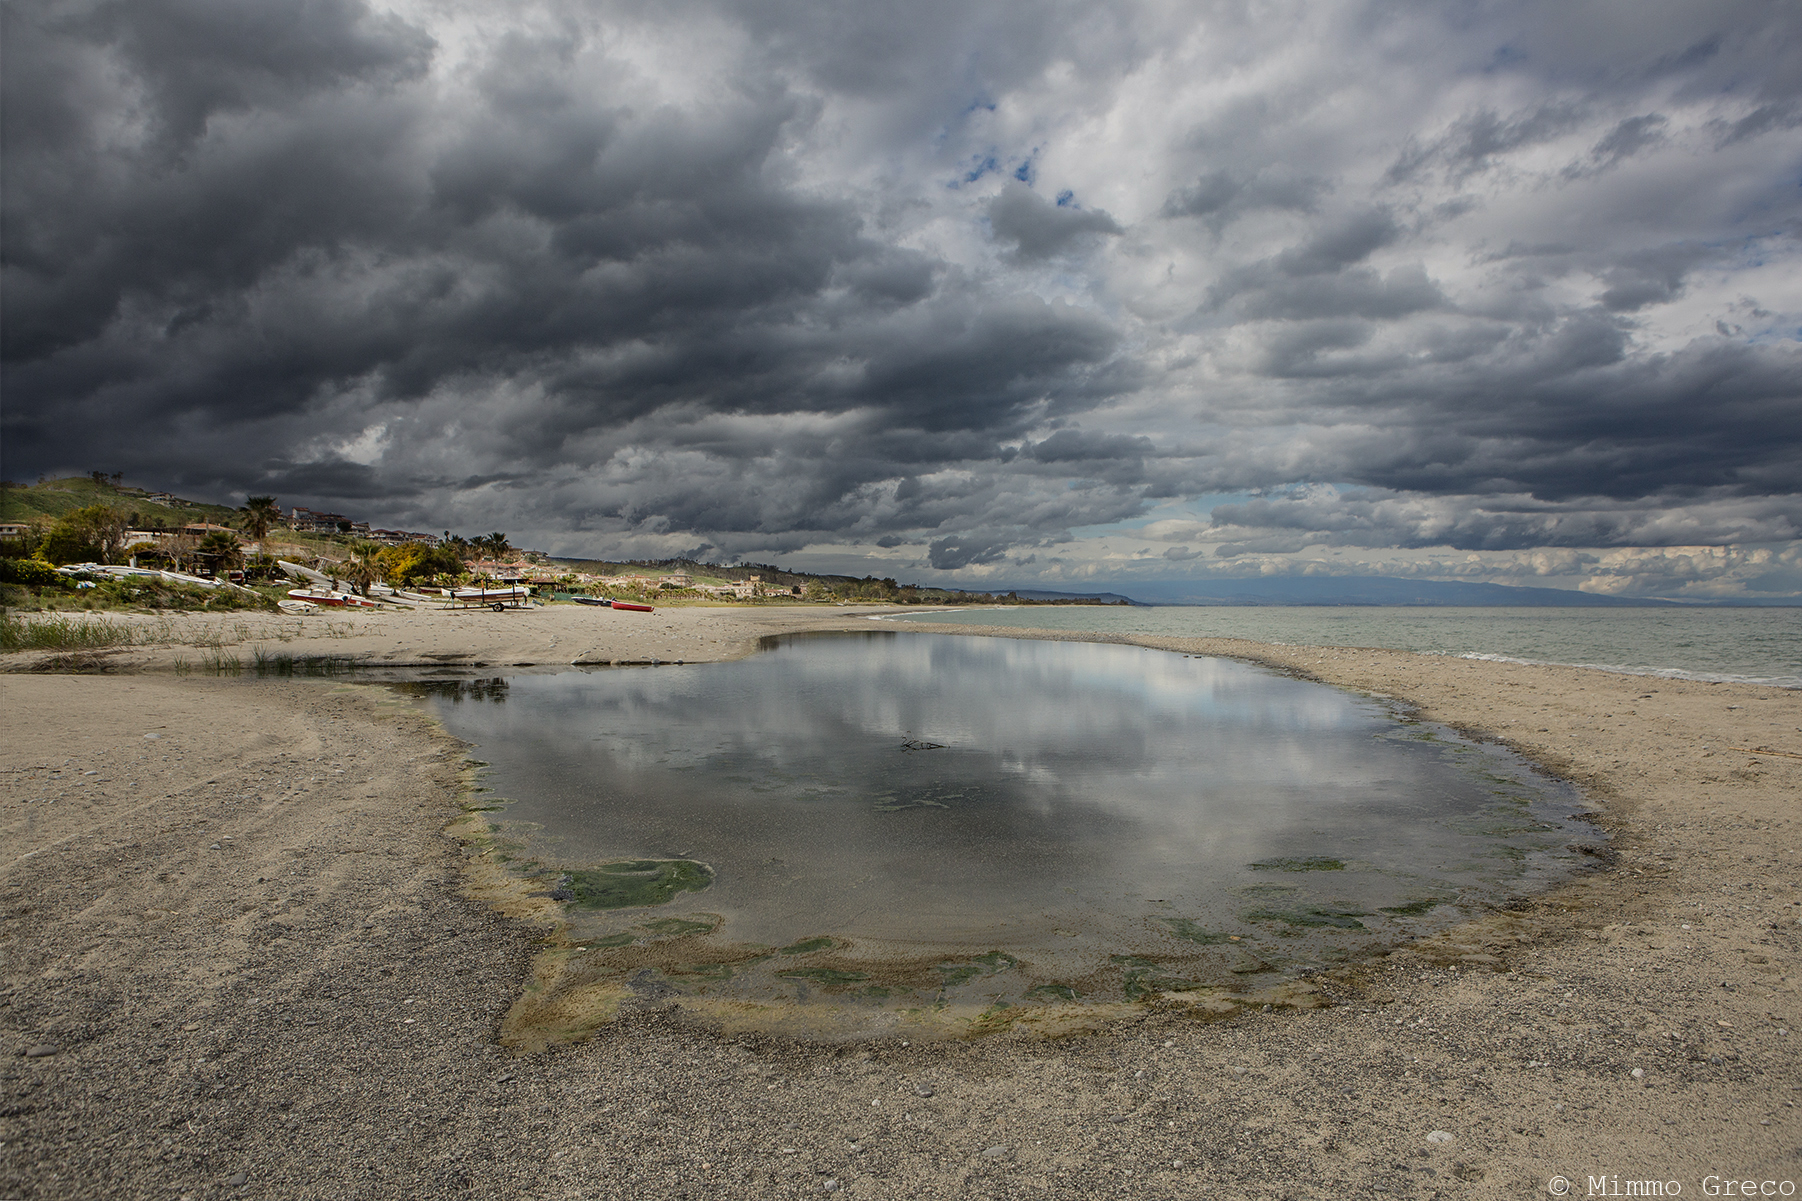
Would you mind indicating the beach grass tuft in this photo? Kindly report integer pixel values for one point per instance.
(279, 663)
(60, 634)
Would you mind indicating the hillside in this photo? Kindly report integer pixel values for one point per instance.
(52, 498)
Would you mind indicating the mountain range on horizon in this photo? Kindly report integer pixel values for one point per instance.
(1366, 590)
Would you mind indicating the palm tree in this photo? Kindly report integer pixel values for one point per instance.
(221, 549)
(362, 569)
(259, 513)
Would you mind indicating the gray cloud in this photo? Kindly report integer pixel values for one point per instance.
(1039, 228)
(762, 276)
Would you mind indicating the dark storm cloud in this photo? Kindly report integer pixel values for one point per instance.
(957, 277)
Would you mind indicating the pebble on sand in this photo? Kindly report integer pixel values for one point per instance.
(1441, 1136)
(40, 1050)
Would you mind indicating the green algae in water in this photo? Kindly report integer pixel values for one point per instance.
(1413, 908)
(1312, 915)
(1143, 977)
(632, 883)
(1052, 992)
(1185, 928)
(1313, 863)
(825, 977)
(675, 927)
(985, 965)
(807, 946)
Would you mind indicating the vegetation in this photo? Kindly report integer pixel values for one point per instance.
(59, 634)
(259, 513)
(416, 563)
(42, 503)
(83, 518)
(31, 584)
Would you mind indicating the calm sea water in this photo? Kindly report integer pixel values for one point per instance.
(1751, 645)
(899, 820)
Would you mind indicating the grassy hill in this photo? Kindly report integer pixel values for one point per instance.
(51, 499)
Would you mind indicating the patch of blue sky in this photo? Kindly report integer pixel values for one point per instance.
(979, 166)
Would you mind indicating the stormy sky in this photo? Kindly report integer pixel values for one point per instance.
(975, 291)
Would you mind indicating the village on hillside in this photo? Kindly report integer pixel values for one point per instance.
(51, 529)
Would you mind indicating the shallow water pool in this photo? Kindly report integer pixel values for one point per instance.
(898, 820)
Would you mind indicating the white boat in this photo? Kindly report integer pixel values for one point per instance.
(334, 599)
(494, 598)
(297, 607)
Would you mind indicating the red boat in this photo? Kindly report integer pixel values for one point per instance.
(634, 608)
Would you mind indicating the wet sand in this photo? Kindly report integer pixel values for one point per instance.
(242, 959)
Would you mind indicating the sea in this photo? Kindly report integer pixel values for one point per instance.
(1757, 646)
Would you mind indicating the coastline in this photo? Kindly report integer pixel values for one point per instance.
(337, 900)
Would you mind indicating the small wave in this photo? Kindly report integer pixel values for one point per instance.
(1663, 673)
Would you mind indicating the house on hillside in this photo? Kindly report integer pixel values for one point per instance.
(311, 521)
(401, 537)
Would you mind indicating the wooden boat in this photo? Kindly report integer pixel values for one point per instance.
(337, 600)
(634, 608)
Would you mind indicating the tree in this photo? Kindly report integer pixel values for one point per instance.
(417, 563)
(364, 567)
(65, 545)
(259, 513)
(98, 528)
(221, 549)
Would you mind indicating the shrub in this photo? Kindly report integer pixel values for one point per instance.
(32, 573)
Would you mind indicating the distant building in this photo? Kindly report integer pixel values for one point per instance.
(311, 521)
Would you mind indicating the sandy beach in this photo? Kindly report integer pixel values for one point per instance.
(243, 957)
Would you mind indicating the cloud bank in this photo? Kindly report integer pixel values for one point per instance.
(984, 289)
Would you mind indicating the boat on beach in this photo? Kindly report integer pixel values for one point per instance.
(603, 603)
(332, 599)
(497, 599)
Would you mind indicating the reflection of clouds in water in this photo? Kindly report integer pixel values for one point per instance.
(1069, 774)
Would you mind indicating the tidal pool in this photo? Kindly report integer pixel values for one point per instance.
(897, 821)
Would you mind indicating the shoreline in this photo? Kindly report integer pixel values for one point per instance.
(1517, 1034)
